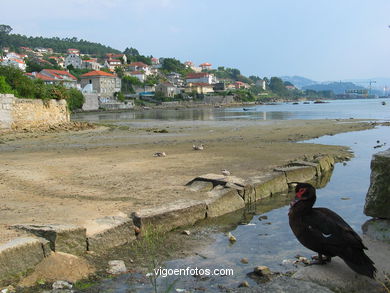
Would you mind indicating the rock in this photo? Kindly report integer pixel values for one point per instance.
(59, 266)
(186, 232)
(19, 256)
(378, 195)
(62, 285)
(244, 284)
(378, 229)
(262, 271)
(9, 289)
(337, 276)
(244, 260)
(116, 267)
(65, 238)
(109, 232)
(263, 218)
(285, 285)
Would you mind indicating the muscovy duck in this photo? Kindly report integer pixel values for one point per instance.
(326, 233)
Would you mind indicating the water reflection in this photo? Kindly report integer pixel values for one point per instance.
(337, 109)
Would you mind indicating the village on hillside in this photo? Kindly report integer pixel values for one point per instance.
(116, 81)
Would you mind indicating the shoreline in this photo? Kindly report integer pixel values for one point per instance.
(145, 147)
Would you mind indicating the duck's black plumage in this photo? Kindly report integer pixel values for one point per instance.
(326, 233)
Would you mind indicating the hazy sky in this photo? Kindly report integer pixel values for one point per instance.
(319, 39)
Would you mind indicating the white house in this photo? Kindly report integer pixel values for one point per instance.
(17, 63)
(138, 74)
(111, 64)
(201, 77)
(139, 66)
(74, 60)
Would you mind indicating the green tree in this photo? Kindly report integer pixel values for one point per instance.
(277, 86)
(5, 88)
(75, 99)
(5, 29)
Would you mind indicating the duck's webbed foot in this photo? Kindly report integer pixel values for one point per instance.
(320, 259)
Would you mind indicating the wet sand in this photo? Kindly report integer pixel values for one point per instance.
(75, 176)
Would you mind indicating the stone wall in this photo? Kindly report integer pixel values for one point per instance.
(29, 113)
(91, 102)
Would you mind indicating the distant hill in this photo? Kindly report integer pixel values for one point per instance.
(298, 81)
(14, 41)
(335, 87)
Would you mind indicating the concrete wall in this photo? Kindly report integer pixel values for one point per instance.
(91, 102)
(28, 113)
(218, 99)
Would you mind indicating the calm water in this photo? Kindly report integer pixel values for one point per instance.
(270, 241)
(342, 109)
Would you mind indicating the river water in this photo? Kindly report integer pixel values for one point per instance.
(269, 241)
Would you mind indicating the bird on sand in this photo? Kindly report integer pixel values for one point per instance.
(326, 233)
(198, 147)
(225, 172)
(160, 154)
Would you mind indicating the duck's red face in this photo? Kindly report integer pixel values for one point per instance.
(300, 193)
(303, 192)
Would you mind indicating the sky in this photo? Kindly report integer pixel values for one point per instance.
(319, 39)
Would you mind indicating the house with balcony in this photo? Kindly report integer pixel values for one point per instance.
(199, 88)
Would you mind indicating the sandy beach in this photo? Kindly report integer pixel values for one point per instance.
(75, 176)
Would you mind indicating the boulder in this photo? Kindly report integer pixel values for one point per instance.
(59, 266)
(378, 195)
(326, 163)
(19, 256)
(65, 238)
(378, 229)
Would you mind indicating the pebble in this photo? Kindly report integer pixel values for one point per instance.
(116, 267)
(245, 260)
(243, 284)
(262, 270)
(61, 285)
(186, 232)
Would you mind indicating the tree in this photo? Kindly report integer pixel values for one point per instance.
(277, 86)
(131, 52)
(5, 29)
(5, 88)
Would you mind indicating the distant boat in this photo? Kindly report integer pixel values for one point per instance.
(295, 103)
(249, 109)
(319, 102)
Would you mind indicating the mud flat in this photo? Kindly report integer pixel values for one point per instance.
(104, 183)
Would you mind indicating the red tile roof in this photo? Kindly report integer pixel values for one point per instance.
(197, 75)
(138, 64)
(205, 64)
(97, 73)
(59, 73)
(40, 76)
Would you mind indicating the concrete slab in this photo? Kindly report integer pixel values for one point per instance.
(109, 232)
(65, 238)
(19, 256)
(171, 216)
